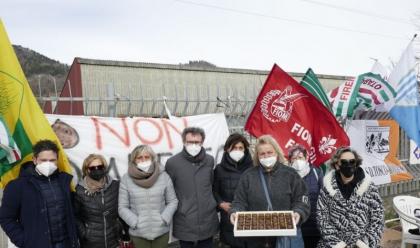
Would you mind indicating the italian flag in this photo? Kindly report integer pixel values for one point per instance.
(367, 91)
(22, 122)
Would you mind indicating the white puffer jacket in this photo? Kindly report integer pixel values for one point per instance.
(148, 211)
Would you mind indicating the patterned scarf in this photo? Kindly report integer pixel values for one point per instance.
(93, 186)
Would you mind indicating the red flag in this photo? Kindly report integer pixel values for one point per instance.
(292, 115)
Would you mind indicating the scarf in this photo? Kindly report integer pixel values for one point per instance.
(197, 159)
(348, 189)
(93, 186)
(142, 178)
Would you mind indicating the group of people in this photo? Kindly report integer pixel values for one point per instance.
(341, 209)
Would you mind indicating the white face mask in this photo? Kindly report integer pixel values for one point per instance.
(301, 167)
(144, 166)
(193, 149)
(268, 162)
(236, 155)
(46, 168)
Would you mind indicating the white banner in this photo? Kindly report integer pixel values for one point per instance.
(115, 138)
(414, 153)
(377, 143)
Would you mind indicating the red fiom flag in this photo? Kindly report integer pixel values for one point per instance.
(292, 115)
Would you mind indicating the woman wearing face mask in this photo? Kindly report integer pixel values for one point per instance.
(236, 159)
(349, 209)
(96, 206)
(271, 185)
(147, 200)
(298, 160)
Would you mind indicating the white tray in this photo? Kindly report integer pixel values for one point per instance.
(264, 233)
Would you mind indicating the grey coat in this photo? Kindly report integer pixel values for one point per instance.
(147, 211)
(196, 216)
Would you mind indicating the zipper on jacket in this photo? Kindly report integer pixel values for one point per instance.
(269, 177)
(53, 192)
(104, 215)
(48, 219)
(148, 207)
(55, 198)
(198, 204)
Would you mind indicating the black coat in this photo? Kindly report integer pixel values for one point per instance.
(97, 216)
(287, 191)
(226, 179)
(23, 212)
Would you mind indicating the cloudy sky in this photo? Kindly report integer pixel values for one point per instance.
(333, 37)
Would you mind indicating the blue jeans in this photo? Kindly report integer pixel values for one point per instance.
(291, 242)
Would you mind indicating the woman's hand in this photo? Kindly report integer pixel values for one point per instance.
(225, 206)
(233, 218)
(296, 217)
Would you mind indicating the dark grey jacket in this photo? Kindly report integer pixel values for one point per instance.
(287, 192)
(196, 216)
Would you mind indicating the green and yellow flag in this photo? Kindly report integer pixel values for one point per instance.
(22, 122)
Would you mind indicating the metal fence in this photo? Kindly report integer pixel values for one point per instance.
(235, 104)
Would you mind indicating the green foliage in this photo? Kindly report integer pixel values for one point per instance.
(41, 71)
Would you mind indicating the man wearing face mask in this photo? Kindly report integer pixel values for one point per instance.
(349, 209)
(36, 209)
(236, 160)
(298, 160)
(191, 170)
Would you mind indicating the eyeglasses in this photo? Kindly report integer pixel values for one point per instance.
(97, 167)
(193, 142)
(347, 162)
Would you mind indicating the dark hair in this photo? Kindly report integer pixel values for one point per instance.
(336, 157)
(296, 148)
(234, 139)
(44, 145)
(193, 131)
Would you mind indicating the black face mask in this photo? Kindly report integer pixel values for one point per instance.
(97, 174)
(347, 170)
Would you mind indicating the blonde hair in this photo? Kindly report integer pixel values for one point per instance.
(142, 149)
(268, 139)
(89, 160)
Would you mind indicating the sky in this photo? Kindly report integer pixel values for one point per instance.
(338, 37)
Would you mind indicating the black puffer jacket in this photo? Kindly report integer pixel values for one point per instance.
(226, 179)
(97, 216)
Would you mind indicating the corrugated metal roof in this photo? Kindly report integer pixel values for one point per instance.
(193, 68)
(139, 88)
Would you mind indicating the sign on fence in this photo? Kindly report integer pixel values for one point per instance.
(115, 138)
(377, 142)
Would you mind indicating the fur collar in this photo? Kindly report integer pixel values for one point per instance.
(332, 188)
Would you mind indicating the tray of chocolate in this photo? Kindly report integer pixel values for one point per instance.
(264, 223)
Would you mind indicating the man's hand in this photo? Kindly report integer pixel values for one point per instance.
(233, 218)
(296, 216)
(225, 206)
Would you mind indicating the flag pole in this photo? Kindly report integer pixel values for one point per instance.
(414, 37)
